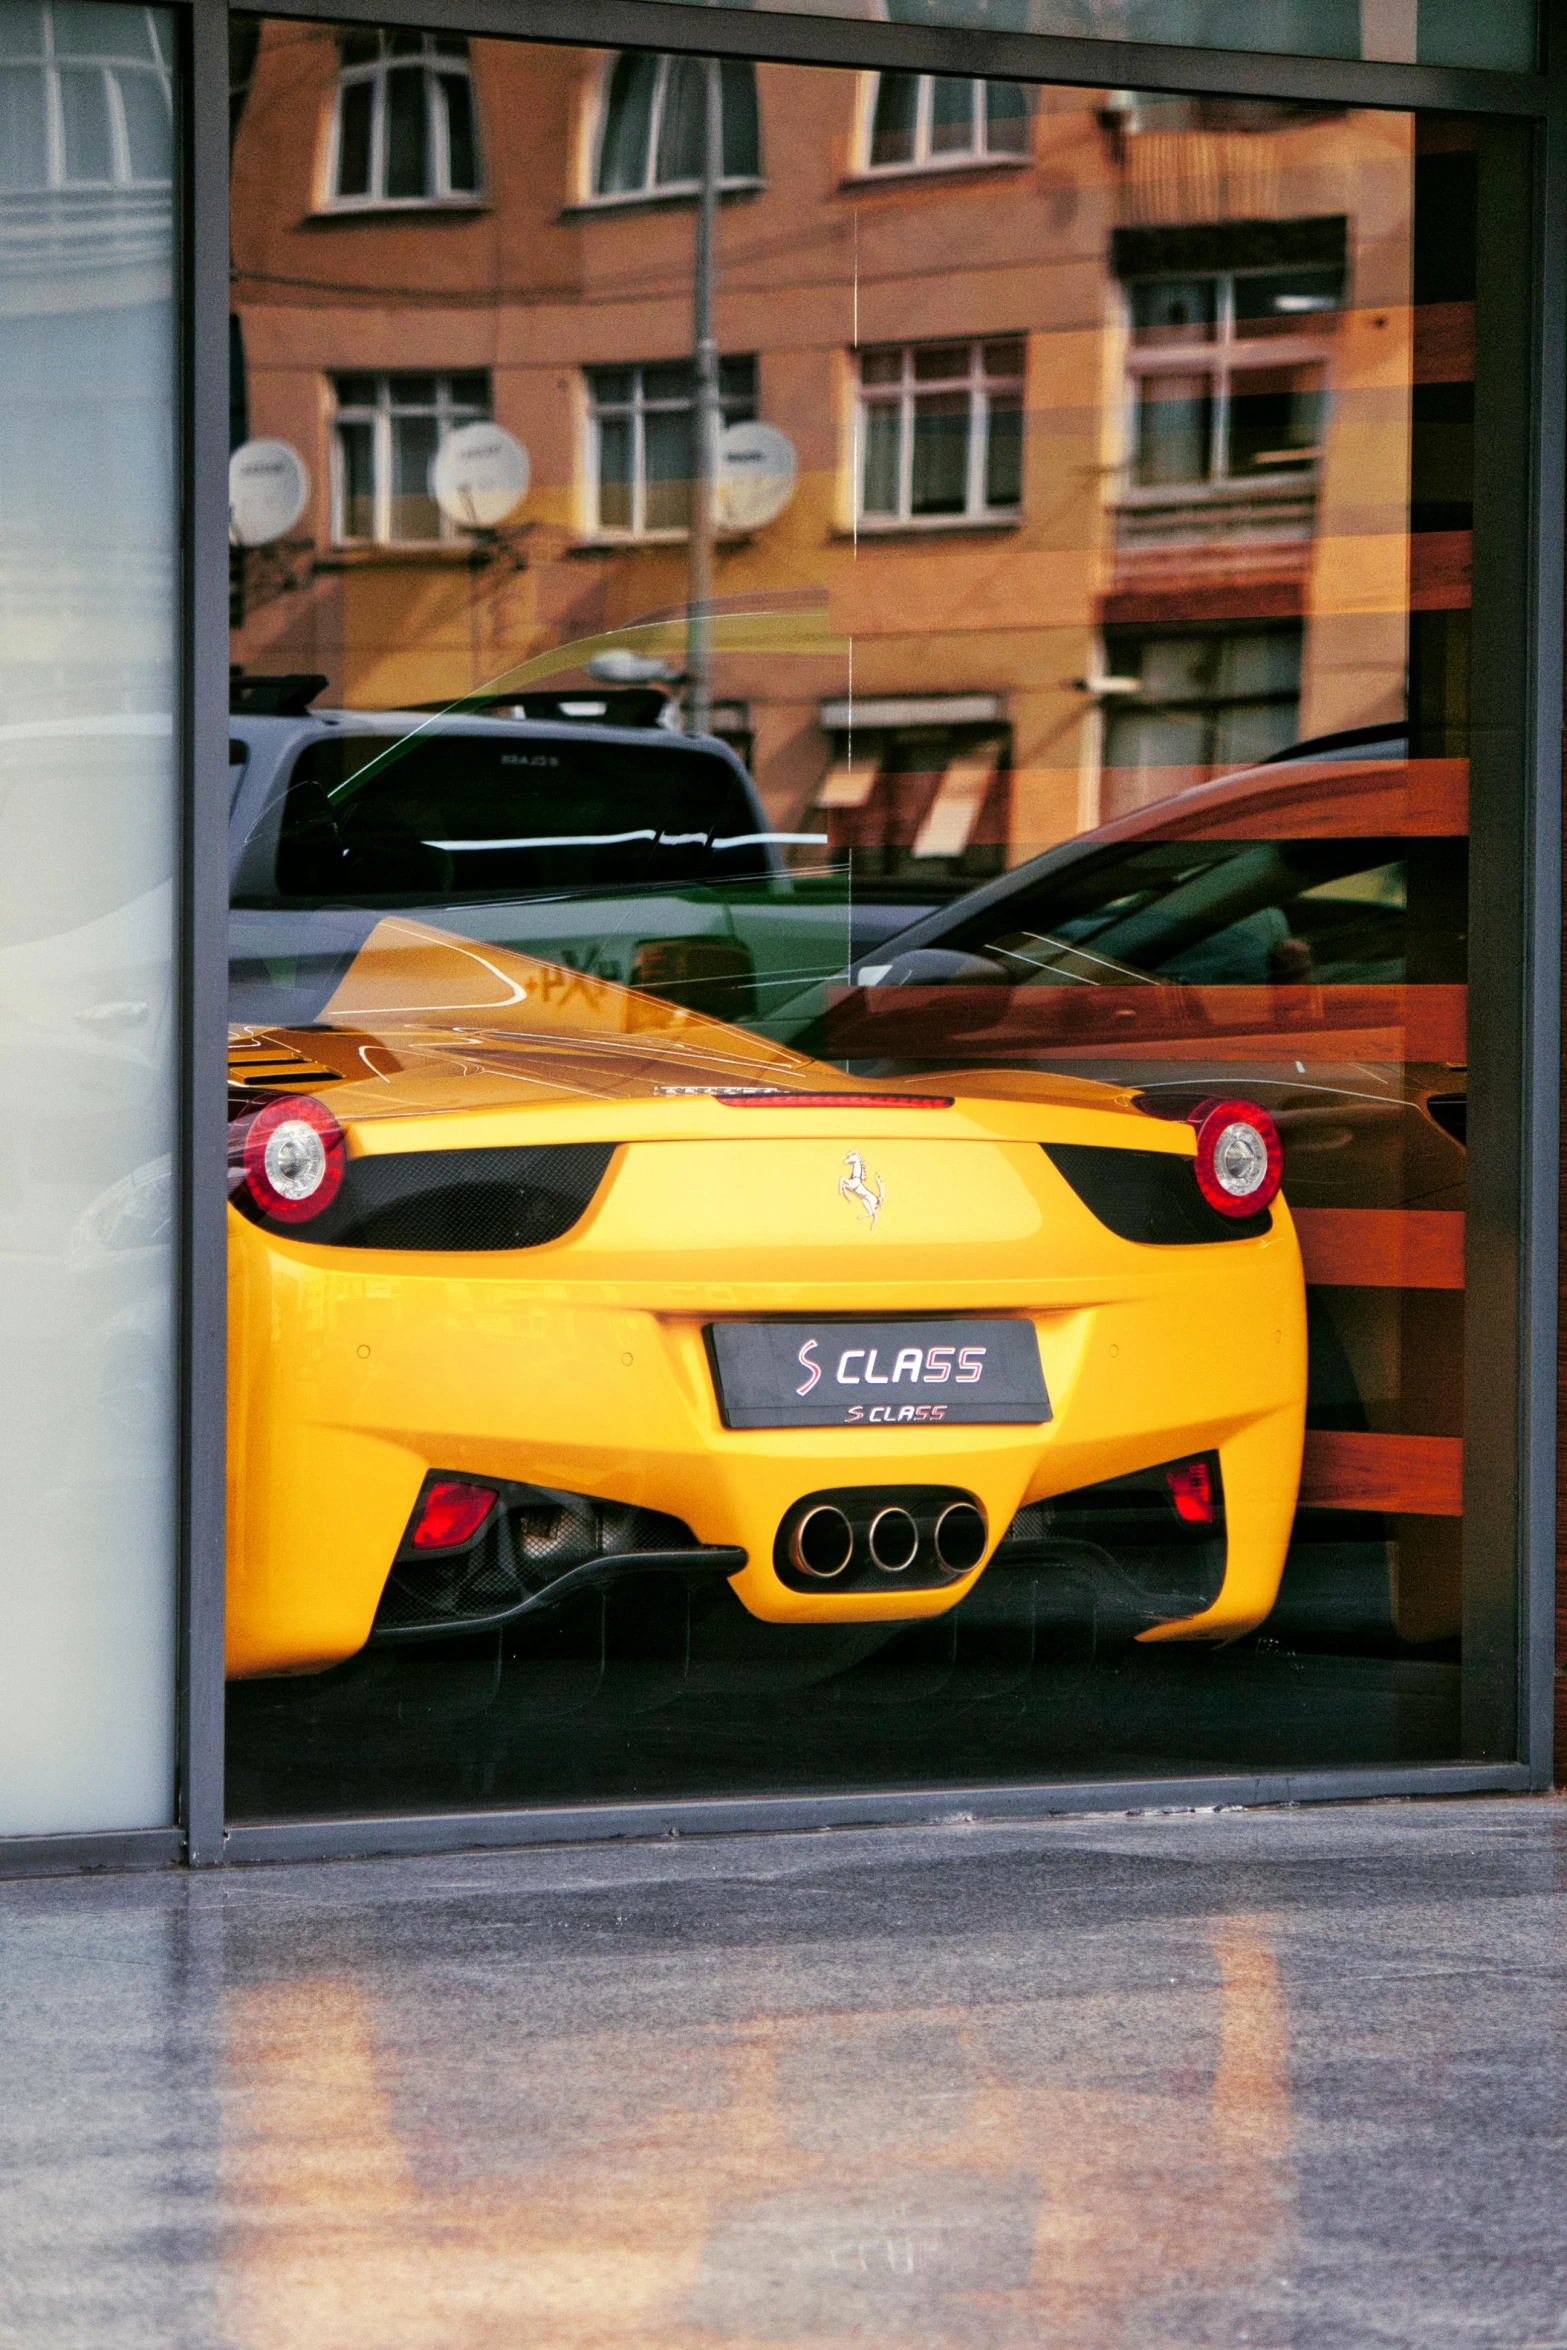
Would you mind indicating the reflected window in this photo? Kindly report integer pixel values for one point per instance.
(640, 454)
(928, 805)
(386, 431)
(84, 97)
(404, 130)
(920, 121)
(941, 432)
(1228, 376)
(1245, 913)
(492, 812)
(1204, 698)
(650, 139)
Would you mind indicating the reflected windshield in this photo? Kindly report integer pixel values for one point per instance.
(453, 816)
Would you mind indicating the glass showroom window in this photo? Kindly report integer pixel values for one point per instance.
(650, 143)
(920, 121)
(386, 432)
(404, 131)
(640, 455)
(941, 432)
(576, 1458)
(84, 97)
(1228, 376)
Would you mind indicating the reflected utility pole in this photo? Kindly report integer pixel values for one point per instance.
(705, 412)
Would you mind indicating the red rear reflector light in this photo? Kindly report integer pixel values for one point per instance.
(1240, 1160)
(290, 1158)
(452, 1513)
(1191, 1490)
(835, 1101)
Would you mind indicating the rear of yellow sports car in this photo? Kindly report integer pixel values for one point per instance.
(602, 1285)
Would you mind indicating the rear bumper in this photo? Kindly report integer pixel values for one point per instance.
(1118, 1555)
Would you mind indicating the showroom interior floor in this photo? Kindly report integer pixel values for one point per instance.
(1278, 2079)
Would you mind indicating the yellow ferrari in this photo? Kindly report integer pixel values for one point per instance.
(538, 1282)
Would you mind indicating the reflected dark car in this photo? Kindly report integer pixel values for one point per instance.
(1295, 933)
(1297, 928)
(627, 852)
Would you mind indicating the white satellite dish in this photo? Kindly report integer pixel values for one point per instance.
(757, 467)
(618, 666)
(479, 475)
(269, 488)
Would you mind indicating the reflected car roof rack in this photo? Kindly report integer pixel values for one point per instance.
(286, 696)
(585, 705)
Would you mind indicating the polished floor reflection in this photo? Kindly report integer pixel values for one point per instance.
(1288, 2079)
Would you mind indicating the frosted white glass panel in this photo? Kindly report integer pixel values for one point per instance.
(87, 843)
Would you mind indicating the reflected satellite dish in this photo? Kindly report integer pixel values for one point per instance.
(756, 475)
(618, 666)
(479, 476)
(269, 487)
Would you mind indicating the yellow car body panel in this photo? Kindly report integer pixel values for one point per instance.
(582, 1364)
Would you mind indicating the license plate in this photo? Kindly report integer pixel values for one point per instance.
(821, 1374)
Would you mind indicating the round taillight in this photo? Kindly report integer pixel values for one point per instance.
(292, 1159)
(1240, 1161)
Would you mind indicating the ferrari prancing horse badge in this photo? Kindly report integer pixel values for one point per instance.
(856, 1186)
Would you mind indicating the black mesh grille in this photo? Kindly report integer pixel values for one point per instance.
(1148, 1196)
(474, 1199)
(528, 1543)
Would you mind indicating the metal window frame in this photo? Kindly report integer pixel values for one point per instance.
(1212, 707)
(651, 184)
(1510, 1425)
(438, 154)
(904, 397)
(924, 158)
(111, 64)
(650, 189)
(449, 416)
(635, 411)
(1227, 358)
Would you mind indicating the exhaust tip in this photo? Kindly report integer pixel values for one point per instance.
(894, 1540)
(960, 1538)
(821, 1542)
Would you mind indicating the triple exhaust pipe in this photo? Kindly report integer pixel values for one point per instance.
(930, 1535)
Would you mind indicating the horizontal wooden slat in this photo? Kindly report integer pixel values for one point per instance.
(1444, 343)
(1441, 563)
(1381, 1248)
(1276, 595)
(1349, 1471)
(1184, 1023)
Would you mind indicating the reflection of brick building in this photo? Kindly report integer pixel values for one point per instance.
(1101, 409)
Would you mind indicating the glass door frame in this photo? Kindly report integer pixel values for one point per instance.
(1511, 1310)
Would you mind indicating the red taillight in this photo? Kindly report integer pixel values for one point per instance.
(1240, 1161)
(290, 1158)
(1191, 1490)
(452, 1513)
